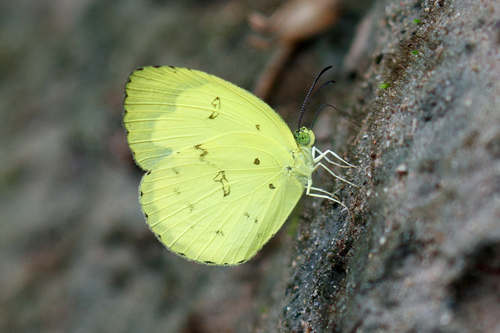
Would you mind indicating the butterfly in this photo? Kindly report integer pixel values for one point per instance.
(224, 170)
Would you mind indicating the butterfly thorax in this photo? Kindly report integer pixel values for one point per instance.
(303, 159)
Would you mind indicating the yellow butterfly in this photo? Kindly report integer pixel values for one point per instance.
(224, 171)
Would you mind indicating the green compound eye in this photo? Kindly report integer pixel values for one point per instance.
(303, 137)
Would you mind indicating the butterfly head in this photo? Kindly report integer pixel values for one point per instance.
(304, 136)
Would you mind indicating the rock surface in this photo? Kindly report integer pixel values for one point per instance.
(418, 250)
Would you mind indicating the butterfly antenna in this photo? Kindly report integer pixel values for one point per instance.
(340, 113)
(307, 101)
(317, 91)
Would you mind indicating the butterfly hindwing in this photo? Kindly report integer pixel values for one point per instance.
(219, 202)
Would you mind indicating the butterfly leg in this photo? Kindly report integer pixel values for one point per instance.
(322, 191)
(319, 164)
(327, 195)
(323, 155)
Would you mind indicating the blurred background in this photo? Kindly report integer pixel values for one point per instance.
(75, 253)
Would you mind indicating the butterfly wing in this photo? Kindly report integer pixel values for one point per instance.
(219, 202)
(219, 182)
(170, 108)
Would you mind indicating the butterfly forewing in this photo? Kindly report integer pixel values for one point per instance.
(169, 108)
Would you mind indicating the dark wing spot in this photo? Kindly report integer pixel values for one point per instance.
(149, 172)
(221, 178)
(241, 261)
(203, 153)
(219, 232)
(177, 191)
(181, 254)
(259, 235)
(209, 262)
(142, 193)
(246, 215)
(191, 207)
(256, 161)
(140, 69)
(272, 187)
(174, 170)
(217, 106)
(257, 126)
(145, 214)
(256, 220)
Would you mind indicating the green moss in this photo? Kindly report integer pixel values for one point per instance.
(384, 85)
